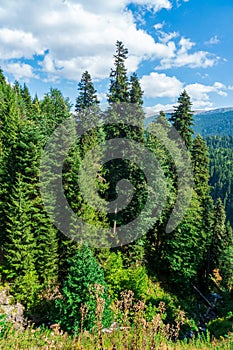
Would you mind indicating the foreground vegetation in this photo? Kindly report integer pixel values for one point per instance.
(139, 334)
(124, 340)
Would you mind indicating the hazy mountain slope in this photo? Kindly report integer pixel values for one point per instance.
(213, 122)
(216, 122)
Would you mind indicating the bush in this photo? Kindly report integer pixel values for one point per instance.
(120, 278)
(221, 326)
(84, 299)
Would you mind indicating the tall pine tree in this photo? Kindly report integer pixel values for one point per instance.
(119, 85)
(182, 118)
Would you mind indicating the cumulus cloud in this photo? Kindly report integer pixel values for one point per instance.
(104, 6)
(182, 57)
(76, 34)
(180, 54)
(164, 37)
(160, 85)
(20, 70)
(18, 43)
(201, 92)
(159, 26)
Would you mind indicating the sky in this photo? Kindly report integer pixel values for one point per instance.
(173, 45)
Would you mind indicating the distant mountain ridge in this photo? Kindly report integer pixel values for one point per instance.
(207, 123)
(214, 122)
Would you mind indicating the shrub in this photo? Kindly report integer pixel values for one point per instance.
(120, 278)
(221, 326)
(83, 287)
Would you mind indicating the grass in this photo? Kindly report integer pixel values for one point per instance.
(132, 332)
(127, 339)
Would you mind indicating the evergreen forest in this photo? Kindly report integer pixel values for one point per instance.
(178, 281)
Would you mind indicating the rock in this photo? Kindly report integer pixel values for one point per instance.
(14, 313)
(5, 299)
(113, 326)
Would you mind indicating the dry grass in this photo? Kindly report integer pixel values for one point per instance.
(133, 332)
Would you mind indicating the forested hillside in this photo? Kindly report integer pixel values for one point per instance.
(215, 122)
(62, 279)
(221, 170)
(210, 123)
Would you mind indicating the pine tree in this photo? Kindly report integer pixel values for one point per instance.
(54, 109)
(9, 125)
(162, 120)
(88, 112)
(184, 248)
(26, 156)
(182, 118)
(2, 77)
(226, 260)
(207, 227)
(19, 248)
(84, 278)
(27, 101)
(136, 92)
(135, 111)
(200, 161)
(87, 97)
(119, 85)
(221, 237)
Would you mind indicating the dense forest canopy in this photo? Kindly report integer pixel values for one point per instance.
(36, 258)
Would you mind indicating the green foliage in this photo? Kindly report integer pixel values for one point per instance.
(214, 123)
(120, 277)
(200, 160)
(82, 288)
(19, 265)
(87, 97)
(222, 245)
(136, 337)
(182, 118)
(4, 326)
(54, 109)
(221, 171)
(118, 91)
(35, 258)
(136, 93)
(221, 326)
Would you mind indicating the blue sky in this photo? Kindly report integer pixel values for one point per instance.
(173, 44)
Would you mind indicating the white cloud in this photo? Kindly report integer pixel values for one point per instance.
(178, 2)
(182, 57)
(213, 40)
(159, 26)
(164, 37)
(76, 33)
(200, 94)
(105, 6)
(160, 85)
(152, 110)
(20, 70)
(18, 43)
(200, 91)
(156, 5)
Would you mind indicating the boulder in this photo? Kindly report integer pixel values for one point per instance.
(14, 312)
